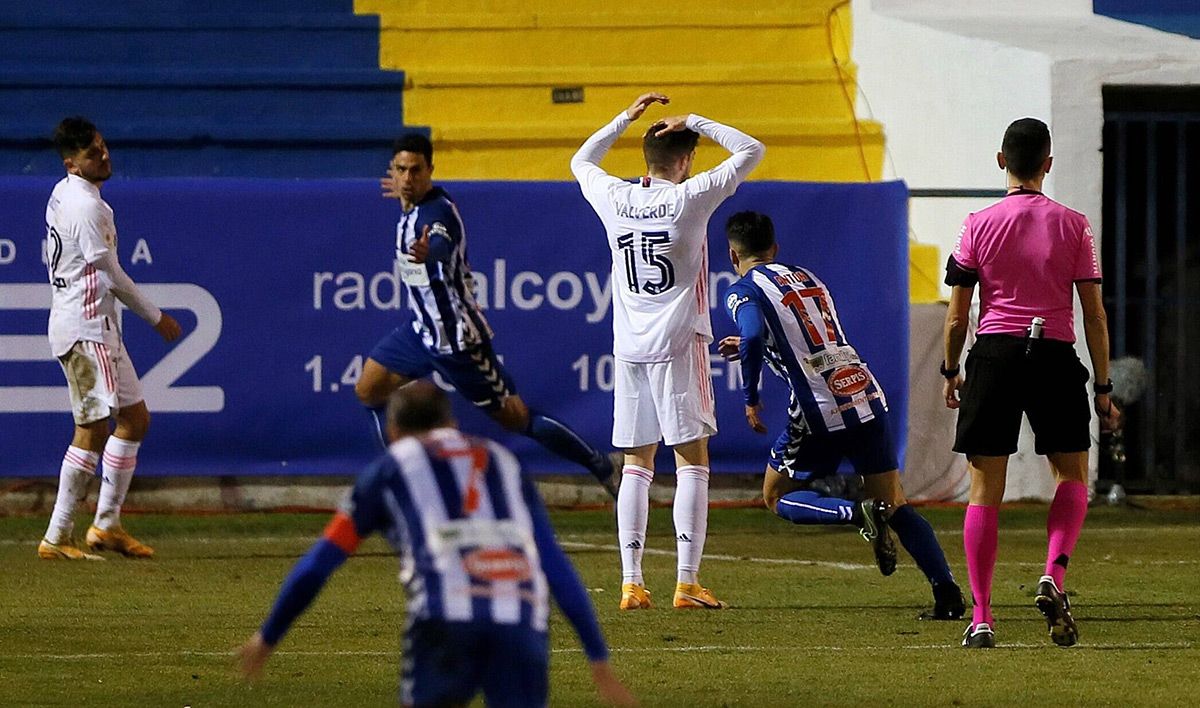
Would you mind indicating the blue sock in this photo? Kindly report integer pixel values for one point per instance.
(564, 442)
(917, 537)
(811, 508)
(379, 424)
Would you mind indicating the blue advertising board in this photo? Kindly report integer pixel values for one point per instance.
(283, 286)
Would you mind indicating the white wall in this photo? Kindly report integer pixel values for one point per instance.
(945, 77)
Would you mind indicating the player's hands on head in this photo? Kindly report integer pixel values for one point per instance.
(252, 656)
(168, 328)
(950, 388)
(643, 102)
(670, 125)
(1108, 412)
(729, 348)
(754, 418)
(419, 250)
(610, 688)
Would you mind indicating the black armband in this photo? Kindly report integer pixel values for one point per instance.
(957, 275)
(948, 373)
(1103, 388)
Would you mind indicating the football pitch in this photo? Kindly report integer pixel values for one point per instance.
(811, 623)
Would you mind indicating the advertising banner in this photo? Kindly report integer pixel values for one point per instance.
(284, 286)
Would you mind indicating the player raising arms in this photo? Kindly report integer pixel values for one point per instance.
(86, 281)
(657, 227)
(446, 331)
(786, 316)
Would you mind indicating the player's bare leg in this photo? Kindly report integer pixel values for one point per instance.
(373, 387)
(980, 538)
(118, 465)
(633, 507)
(1063, 524)
(557, 437)
(690, 512)
(78, 468)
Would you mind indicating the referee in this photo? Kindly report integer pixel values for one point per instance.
(1025, 253)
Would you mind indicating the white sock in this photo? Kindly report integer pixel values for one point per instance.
(78, 466)
(690, 510)
(633, 505)
(120, 459)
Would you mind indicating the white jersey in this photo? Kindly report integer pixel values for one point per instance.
(85, 279)
(657, 232)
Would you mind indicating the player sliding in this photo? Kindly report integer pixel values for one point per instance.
(657, 228)
(478, 560)
(446, 330)
(785, 315)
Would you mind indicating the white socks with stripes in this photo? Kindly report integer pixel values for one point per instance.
(78, 466)
(120, 459)
(690, 510)
(633, 505)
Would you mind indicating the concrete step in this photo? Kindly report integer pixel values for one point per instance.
(796, 150)
(162, 40)
(735, 92)
(411, 41)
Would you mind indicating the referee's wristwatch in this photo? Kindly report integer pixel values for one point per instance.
(950, 373)
(1104, 388)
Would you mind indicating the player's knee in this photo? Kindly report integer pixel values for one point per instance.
(512, 415)
(132, 423)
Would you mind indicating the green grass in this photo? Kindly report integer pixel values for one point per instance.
(158, 633)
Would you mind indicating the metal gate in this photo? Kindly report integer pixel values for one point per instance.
(1152, 279)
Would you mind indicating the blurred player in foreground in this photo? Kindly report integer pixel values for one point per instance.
(478, 561)
(1027, 253)
(786, 316)
(446, 331)
(86, 280)
(657, 232)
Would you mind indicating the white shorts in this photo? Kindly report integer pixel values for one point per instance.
(100, 379)
(670, 400)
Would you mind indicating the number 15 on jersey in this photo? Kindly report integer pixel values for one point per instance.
(646, 249)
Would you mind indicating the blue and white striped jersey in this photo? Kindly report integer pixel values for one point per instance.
(785, 314)
(441, 291)
(460, 515)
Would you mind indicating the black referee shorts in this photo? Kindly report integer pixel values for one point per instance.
(1049, 385)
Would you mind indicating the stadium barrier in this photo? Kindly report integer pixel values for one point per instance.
(283, 286)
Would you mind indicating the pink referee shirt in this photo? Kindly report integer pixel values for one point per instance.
(1028, 252)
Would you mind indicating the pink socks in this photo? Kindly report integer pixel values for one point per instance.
(1063, 524)
(979, 542)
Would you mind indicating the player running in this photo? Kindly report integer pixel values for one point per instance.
(446, 331)
(478, 561)
(786, 316)
(86, 280)
(657, 228)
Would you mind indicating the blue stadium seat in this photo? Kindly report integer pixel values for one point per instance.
(200, 92)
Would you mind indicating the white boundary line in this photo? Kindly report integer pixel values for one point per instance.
(581, 546)
(701, 649)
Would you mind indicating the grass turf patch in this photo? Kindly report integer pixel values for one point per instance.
(811, 620)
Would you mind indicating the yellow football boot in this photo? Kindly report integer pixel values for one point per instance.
(117, 539)
(64, 551)
(635, 597)
(692, 596)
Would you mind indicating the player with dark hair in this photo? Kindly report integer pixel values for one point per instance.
(785, 315)
(657, 229)
(446, 330)
(86, 281)
(478, 562)
(1026, 253)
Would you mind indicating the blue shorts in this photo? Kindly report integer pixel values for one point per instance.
(802, 454)
(449, 663)
(476, 373)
